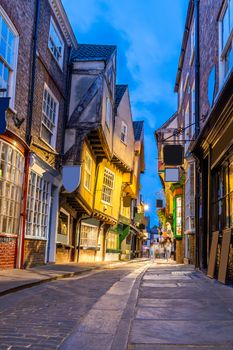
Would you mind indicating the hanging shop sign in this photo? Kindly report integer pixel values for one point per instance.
(172, 175)
(4, 104)
(159, 203)
(71, 176)
(173, 155)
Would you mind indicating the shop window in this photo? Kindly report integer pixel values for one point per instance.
(8, 57)
(89, 236)
(112, 241)
(56, 44)
(223, 196)
(87, 171)
(11, 179)
(63, 226)
(108, 185)
(39, 192)
(49, 117)
(178, 216)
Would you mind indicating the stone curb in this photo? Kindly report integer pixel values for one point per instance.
(65, 275)
(120, 341)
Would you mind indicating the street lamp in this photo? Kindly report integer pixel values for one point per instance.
(146, 207)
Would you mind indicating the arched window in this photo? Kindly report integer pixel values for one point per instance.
(8, 56)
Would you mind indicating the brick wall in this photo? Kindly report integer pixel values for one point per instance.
(34, 252)
(21, 14)
(63, 255)
(7, 252)
(209, 42)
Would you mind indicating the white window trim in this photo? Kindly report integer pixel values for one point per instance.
(84, 185)
(54, 135)
(123, 124)
(12, 77)
(60, 64)
(68, 215)
(39, 238)
(103, 201)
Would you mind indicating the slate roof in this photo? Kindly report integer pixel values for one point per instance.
(138, 127)
(92, 52)
(119, 93)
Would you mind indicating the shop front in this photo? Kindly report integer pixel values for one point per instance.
(12, 169)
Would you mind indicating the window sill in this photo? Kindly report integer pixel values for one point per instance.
(64, 245)
(90, 248)
(36, 238)
(106, 203)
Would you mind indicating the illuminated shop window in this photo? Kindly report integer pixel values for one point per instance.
(11, 180)
(89, 236)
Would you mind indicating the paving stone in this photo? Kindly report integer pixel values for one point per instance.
(83, 341)
(159, 285)
(184, 313)
(182, 332)
(178, 347)
(100, 321)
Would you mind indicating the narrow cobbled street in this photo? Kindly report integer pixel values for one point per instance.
(136, 306)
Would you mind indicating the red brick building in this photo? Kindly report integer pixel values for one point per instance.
(36, 39)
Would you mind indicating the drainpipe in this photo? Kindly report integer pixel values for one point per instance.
(33, 74)
(29, 128)
(197, 128)
(24, 213)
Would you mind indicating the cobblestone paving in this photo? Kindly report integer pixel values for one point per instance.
(42, 317)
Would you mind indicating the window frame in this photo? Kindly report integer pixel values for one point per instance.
(94, 231)
(54, 134)
(62, 210)
(87, 171)
(13, 69)
(224, 49)
(11, 163)
(55, 27)
(31, 207)
(104, 185)
(124, 125)
(108, 114)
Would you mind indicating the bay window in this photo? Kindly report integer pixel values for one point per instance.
(11, 181)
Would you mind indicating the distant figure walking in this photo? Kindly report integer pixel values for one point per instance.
(152, 252)
(167, 248)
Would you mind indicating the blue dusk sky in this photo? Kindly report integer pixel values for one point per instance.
(148, 35)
